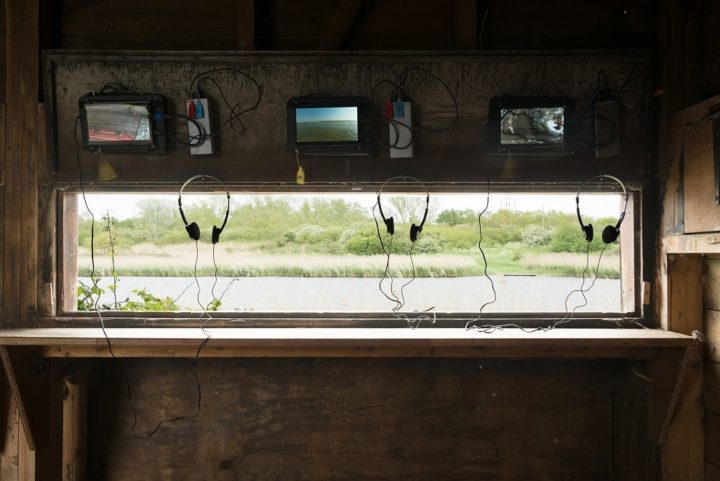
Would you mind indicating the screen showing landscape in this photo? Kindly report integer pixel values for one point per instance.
(110, 123)
(532, 126)
(326, 124)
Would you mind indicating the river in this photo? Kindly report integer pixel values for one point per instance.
(332, 294)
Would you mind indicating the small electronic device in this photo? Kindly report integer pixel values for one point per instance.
(123, 122)
(328, 125)
(531, 126)
(400, 134)
(199, 133)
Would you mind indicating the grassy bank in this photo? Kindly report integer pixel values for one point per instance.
(242, 260)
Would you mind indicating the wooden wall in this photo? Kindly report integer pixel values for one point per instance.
(357, 25)
(322, 419)
(712, 367)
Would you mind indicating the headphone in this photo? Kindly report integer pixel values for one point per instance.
(611, 232)
(192, 228)
(415, 230)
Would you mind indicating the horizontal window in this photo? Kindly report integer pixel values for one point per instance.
(332, 253)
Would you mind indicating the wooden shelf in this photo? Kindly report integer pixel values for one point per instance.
(349, 342)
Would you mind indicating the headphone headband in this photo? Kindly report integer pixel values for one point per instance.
(202, 177)
(389, 222)
(601, 178)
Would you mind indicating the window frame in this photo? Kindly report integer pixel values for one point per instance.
(67, 215)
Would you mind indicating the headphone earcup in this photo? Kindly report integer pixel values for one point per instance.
(610, 234)
(588, 231)
(414, 232)
(193, 230)
(216, 234)
(390, 224)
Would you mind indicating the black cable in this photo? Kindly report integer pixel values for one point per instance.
(236, 111)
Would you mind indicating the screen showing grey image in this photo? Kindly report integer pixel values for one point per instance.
(532, 126)
(326, 124)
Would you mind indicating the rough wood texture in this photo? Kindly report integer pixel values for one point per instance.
(712, 387)
(319, 419)
(702, 214)
(261, 158)
(712, 472)
(20, 222)
(712, 335)
(339, 26)
(74, 439)
(245, 12)
(682, 457)
(712, 438)
(319, 342)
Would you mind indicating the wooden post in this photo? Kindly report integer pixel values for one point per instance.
(20, 222)
(74, 431)
(245, 24)
(682, 452)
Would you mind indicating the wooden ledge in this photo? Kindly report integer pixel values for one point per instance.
(348, 342)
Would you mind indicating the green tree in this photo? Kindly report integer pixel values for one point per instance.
(157, 216)
(456, 217)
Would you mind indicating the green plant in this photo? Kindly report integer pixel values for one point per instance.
(149, 302)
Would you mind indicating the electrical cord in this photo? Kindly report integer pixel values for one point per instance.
(234, 121)
(398, 94)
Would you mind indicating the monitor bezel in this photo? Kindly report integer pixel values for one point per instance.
(155, 104)
(361, 146)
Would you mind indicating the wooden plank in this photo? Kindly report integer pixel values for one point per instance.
(702, 213)
(712, 438)
(67, 281)
(379, 419)
(712, 335)
(711, 283)
(465, 29)
(338, 28)
(30, 389)
(21, 216)
(712, 387)
(712, 472)
(245, 24)
(48, 229)
(629, 248)
(2, 144)
(26, 455)
(10, 435)
(692, 244)
(74, 445)
(685, 293)
(682, 457)
(319, 342)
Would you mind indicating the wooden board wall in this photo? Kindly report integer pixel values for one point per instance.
(376, 25)
(712, 364)
(317, 419)
(260, 156)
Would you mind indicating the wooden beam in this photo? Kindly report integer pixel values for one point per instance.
(74, 444)
(20, 221)
(339, 27)
(30, 389)
(328, 342)
(465, 28)
(2, 144)
(682, 453)
(245, 24)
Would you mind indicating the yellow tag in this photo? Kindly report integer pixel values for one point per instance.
(300, 177)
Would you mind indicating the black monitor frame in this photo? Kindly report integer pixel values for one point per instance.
(155, 104)
(361, 146)
(494, 135)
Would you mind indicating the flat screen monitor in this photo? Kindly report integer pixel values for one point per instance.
(530, 125)
(126, 123)
(327, 125)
